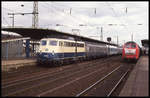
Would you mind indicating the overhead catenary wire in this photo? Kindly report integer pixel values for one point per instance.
(78, 19)
(96, 24)
(60, 10)
(6, 21)
(52, 11)
(116, 15)
(75, 17)
(54, 8)
(125, 19)
(8, 9)
(10, 12)
(68, 14)
(119, 18)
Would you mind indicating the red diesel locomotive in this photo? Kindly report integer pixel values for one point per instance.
(131, 50)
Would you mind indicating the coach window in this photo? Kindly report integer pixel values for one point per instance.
(43, 42)
(69, 44)
(82, 45)
(78, 45)
(53, 43)
(72, 44)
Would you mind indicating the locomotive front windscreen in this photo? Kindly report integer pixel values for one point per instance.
(127, 46)
(43, 42)
(133, 45)
(130, 45)
(53, 43)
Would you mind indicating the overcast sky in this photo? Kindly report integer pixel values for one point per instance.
(126, 17)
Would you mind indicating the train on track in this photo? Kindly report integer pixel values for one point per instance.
(58, 51)
(131, 51)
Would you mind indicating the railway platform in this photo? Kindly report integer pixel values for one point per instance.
(15, 63)
(138, 82)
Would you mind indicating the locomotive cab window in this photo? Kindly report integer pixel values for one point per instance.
(53, 43)
(43, 42)
(133, 46)
(127, 46)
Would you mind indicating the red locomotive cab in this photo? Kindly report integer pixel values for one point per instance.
(130, 51)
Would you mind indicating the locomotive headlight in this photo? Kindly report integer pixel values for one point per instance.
(53, 52)
(46, 49)
(133, 51)
(40, 52)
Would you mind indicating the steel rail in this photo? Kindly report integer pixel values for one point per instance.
(53, 80)
(117, 83)
(31, 78)
(50, 81)
(79, 94)
(6, 83)
(76, 79)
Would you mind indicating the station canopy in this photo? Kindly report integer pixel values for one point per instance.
(39, 33)
(145, 42)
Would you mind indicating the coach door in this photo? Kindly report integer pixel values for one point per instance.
(61, 49)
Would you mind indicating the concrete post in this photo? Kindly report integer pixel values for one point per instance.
(6, 50)
(27, 48)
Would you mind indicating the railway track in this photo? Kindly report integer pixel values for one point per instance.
(90, 92)
(27, 74)
(15, 80)
(117, 84)
(34, 81)
(35, 70)
(52, 84)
